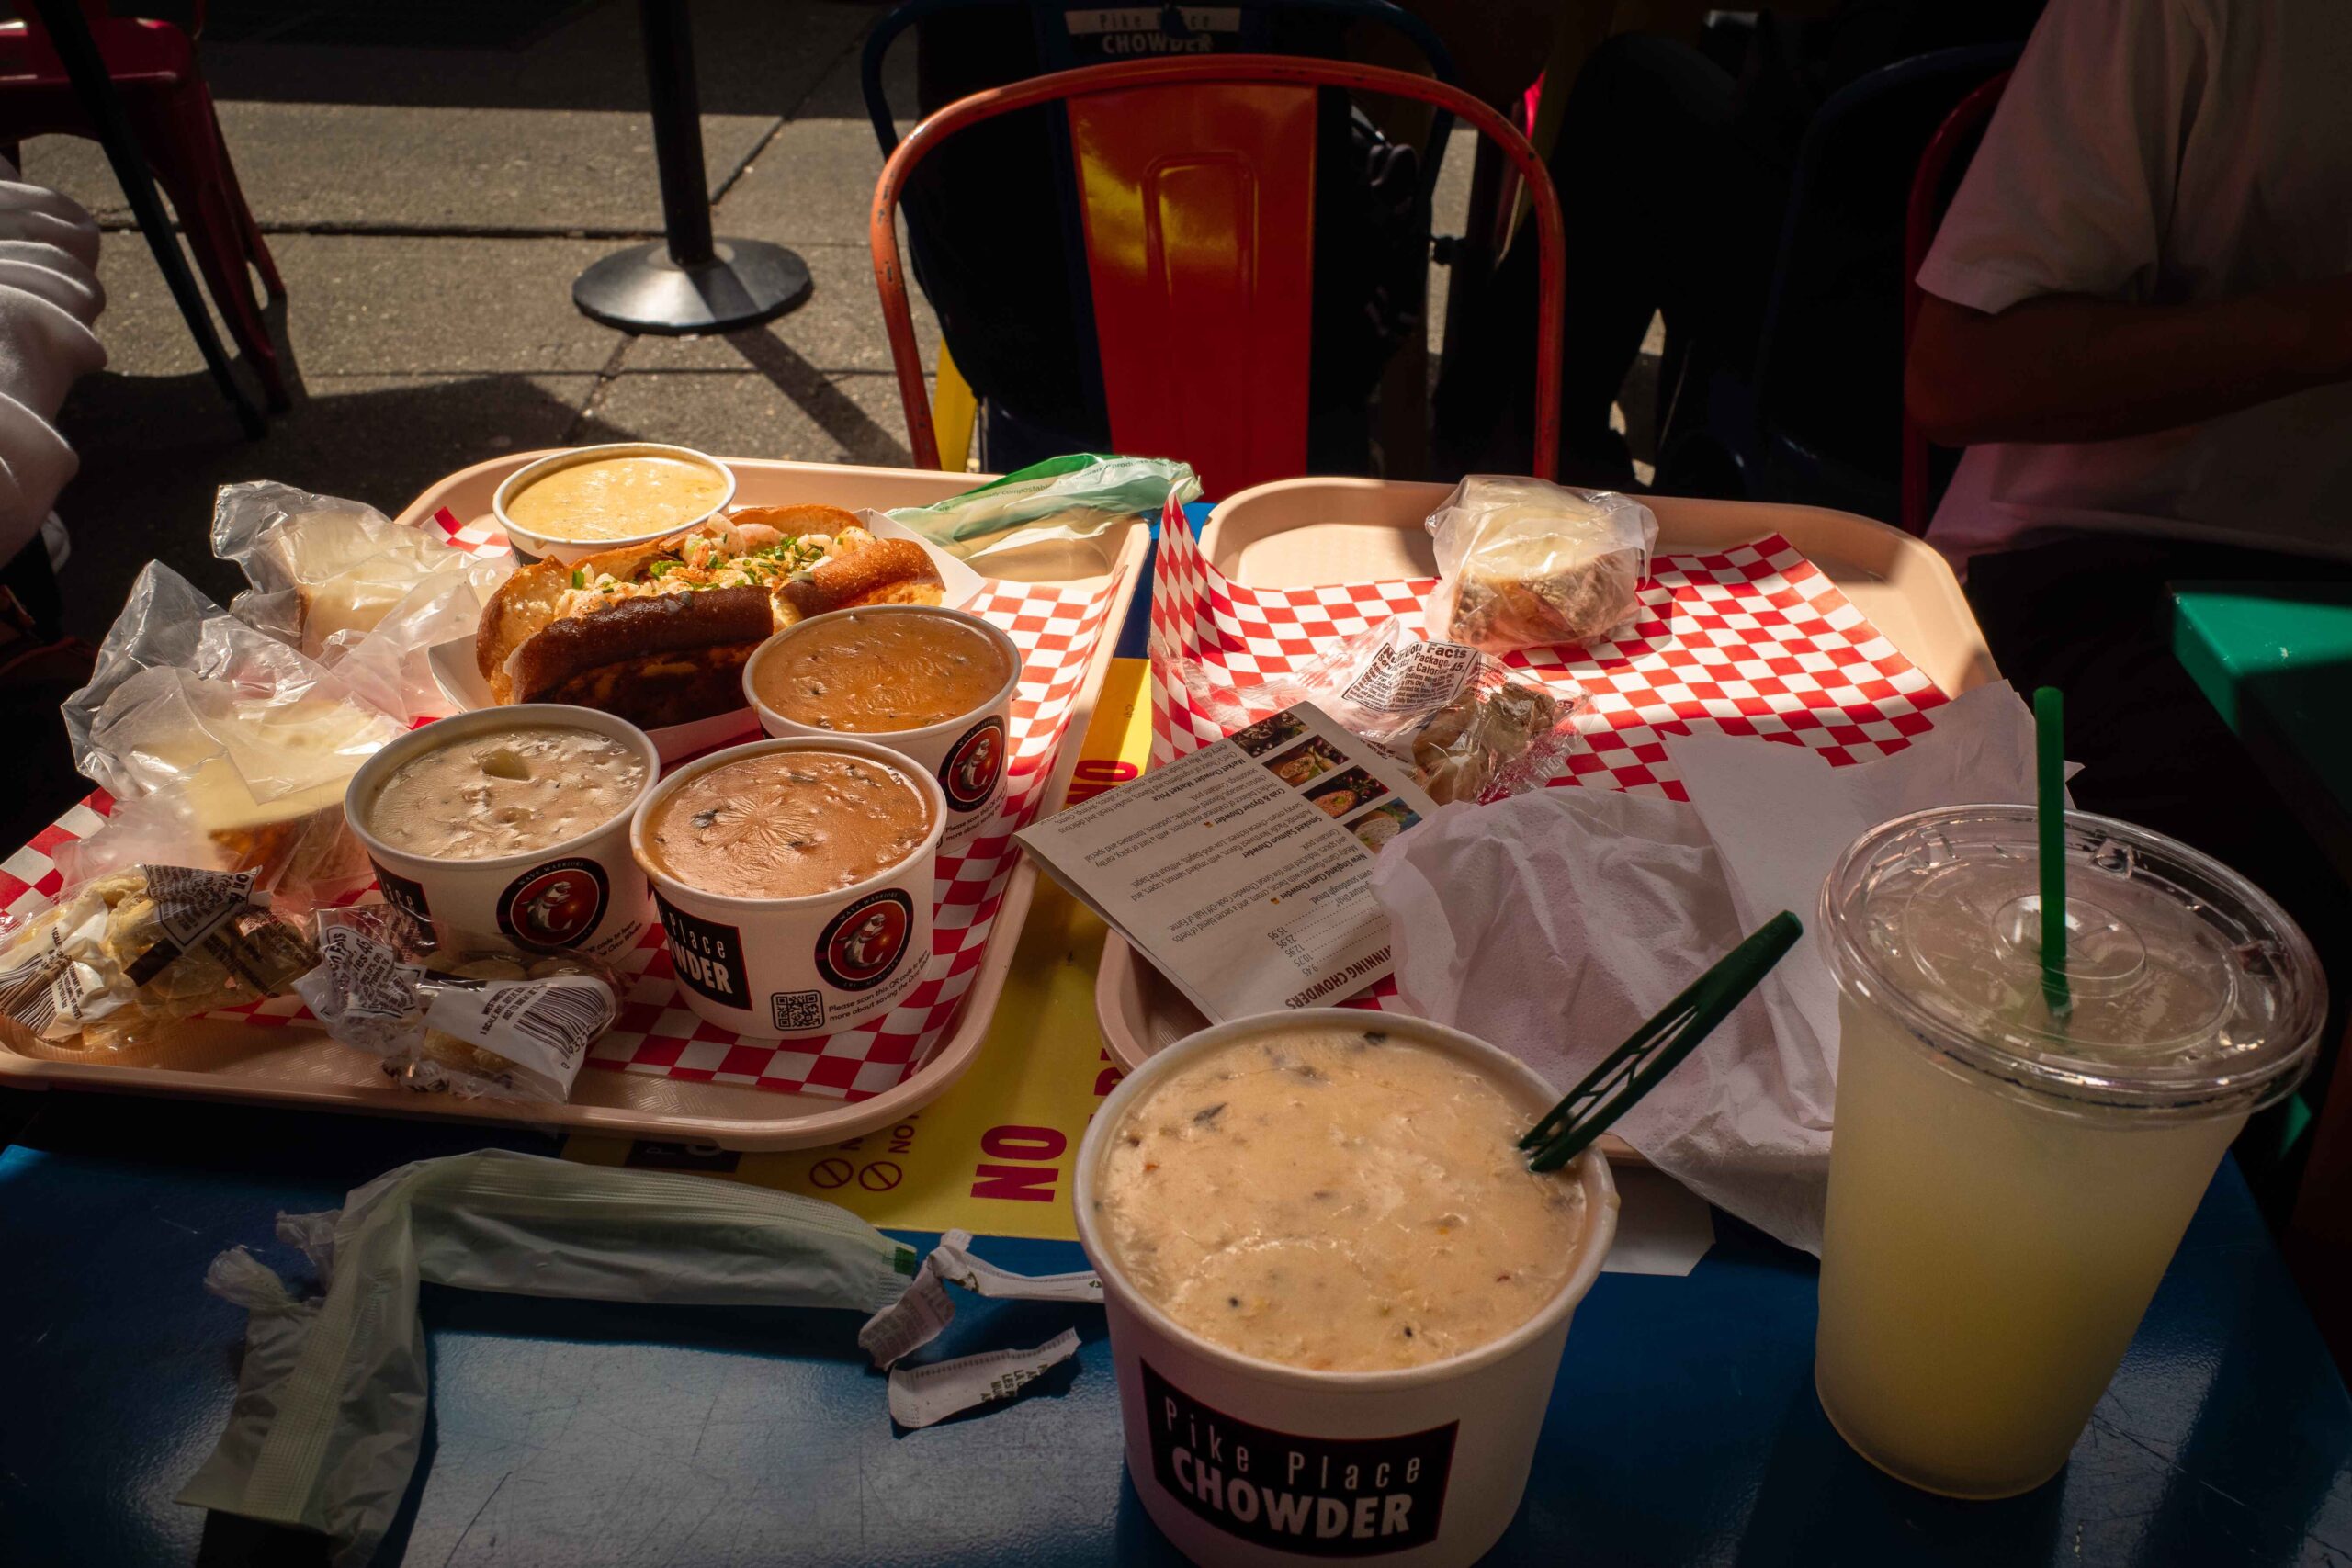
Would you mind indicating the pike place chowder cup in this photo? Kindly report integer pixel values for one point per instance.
(966, 752)
(584, 894)
(773, 967)
(1244, 1461)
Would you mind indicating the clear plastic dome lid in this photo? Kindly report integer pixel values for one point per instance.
(2191, 991)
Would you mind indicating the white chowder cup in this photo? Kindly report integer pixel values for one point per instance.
(584, 894)
(968, 755)
(1246, 1462)
(533, 545)
(769, 968)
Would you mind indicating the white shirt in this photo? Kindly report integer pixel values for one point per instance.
(2162, 150)
(48, 296)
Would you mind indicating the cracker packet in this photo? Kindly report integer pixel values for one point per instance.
(457, 1012)
(116, 960)
(1469, 727)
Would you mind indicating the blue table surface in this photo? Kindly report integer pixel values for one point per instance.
(1683, 1428)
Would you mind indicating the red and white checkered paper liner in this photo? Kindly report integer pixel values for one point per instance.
(1752, 640)
(1056, 627)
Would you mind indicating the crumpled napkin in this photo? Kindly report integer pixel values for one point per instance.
(1556, 922)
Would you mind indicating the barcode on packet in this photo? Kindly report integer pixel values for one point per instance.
(566, 1017)
(542, 1026)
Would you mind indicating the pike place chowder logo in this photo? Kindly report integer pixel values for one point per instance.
(973, 766)
(864, 943)
(555, 905)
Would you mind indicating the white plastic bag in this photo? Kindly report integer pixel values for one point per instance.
(348, 587)
(224, 748)
(1522, 563)
(324, 571)
(331, 1399)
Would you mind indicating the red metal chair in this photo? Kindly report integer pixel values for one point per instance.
(1940, 167)
(153, 67)
(1196, 184)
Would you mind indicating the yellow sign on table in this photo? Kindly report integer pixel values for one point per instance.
(993, 1155)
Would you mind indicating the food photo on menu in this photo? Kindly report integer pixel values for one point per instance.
(1671, 908)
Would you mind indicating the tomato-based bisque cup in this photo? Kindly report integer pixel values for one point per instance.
(512, 821)
(1336, 1295)
(934, 685)
(793, 881)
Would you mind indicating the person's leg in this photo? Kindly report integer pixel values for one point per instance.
(1656, 185)
(2094, 618)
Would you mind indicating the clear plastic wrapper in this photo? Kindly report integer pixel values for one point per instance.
(223, 747)
(1074, 497)
(118, 960)
(1523, 563)
(324, 571)
(349, 588)
(1469, 726)
(457, 1012)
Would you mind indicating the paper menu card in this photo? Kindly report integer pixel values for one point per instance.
(1243, 870)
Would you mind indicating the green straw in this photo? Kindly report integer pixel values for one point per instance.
(2050, 805)
(1656, 1048)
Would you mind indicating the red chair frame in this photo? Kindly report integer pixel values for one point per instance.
(889, 274)
(156, 75)
(1921, 219)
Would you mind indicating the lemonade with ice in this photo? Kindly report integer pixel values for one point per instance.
(2006, 1183)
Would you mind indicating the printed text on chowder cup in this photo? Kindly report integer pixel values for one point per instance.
(1243, 1459)
(812, 963)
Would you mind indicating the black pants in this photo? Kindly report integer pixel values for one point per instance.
(1673, 202)
(2094, 618)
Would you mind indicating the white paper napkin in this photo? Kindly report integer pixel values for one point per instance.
(1552, 924)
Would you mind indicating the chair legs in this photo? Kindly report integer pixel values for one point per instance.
(256, 249)
(182, 141)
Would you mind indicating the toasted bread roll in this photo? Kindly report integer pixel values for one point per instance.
(885, 572)
(655, 690)
(640, 630)
(527, 603)
(796, 521)
(658, 643)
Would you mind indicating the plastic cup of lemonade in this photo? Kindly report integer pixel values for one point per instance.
(2006, 1184)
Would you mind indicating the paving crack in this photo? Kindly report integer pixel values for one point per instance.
(605, 377)
(121, 223)
(855, 46)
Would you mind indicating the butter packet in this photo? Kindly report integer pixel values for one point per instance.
(456, 1012)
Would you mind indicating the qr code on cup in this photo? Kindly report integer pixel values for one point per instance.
(797, 1013)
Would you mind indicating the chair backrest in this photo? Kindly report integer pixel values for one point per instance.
(1195, 176)
(1829, 359)
(99, 13)
(1062, 47)
(1940, 166)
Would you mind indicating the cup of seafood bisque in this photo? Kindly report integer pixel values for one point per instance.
(794, 880)
(1336, 1295)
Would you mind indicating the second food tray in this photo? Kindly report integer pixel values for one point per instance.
(1314, 533)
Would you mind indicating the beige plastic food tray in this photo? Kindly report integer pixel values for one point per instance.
(301, 1067)
(1300, 533)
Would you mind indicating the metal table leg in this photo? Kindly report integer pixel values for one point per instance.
(70, 32)
(688, 282)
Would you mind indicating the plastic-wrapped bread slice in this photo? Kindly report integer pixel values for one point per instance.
(1526, 564)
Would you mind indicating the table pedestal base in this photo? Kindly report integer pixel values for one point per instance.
(641, 289)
